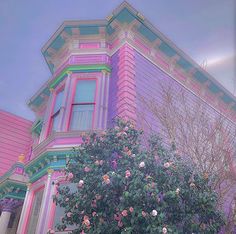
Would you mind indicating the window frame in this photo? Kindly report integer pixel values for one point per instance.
(72, 103)
(38, 188)
(57, 113)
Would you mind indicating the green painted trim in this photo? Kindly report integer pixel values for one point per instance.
(44, 172)
(39, 175)
(8, 184)
(15, 197)
(227, 99)
(45, 156)
(58, 165)
(79, 68)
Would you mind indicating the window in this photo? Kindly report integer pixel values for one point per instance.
(54, 123)
(83, 105)
(60, 211)
(35, 211)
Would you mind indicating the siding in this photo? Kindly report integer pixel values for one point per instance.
(150, 81)
(15, 139)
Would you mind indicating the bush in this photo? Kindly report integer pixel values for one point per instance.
(124, 188)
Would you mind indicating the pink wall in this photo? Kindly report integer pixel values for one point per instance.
(15, 139)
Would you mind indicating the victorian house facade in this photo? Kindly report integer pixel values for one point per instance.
(98, 68)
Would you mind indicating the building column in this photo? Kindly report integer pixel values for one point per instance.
(65, 102)
(46, 118)
(106, 98)
(4, 220)
(45, 204)
(25, 211)
(8, 205)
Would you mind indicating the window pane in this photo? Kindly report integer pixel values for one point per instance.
(85, 90)
(60, 211)
(82, 116)
(55, 122)
(58, 101)
(35, 211)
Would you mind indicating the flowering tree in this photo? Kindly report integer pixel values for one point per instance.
(200, 135)
(124, 188)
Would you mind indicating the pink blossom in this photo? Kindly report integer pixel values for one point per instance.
(87, 169)
(131, 209)
(124, 213)
(86, 222)
(51, 231)
(142, 164)
(126, 128)
(108, 181)
(126, 148)
(144, 214)
(164, 230)
(98, 196)
(80, 184)
(101, 162)
(127, 174)
(94, 213)
(67, 199)
(154, 213)
(69, 214)
(97, 163)
(120, 224)
(177, 191)
(167, 165)
(70, 175)
(94, 204)
(117, 217)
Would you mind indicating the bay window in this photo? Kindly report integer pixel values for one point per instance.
(83, 105)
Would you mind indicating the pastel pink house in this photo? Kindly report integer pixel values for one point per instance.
(98, 68)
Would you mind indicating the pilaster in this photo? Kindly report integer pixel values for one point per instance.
(46, 120)
(25, 211)
(43, 219)
(65, 102)
(126, 102)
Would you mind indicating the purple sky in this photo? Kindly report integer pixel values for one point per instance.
(204, 29)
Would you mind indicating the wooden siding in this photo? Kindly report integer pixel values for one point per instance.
(15, 139)
(150, 81)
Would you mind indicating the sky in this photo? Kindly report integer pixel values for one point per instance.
(203, 29)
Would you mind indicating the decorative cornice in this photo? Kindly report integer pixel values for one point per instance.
(47, 163)
(124, 18)
(12, 189)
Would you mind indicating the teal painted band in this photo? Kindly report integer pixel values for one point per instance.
(80, 68)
